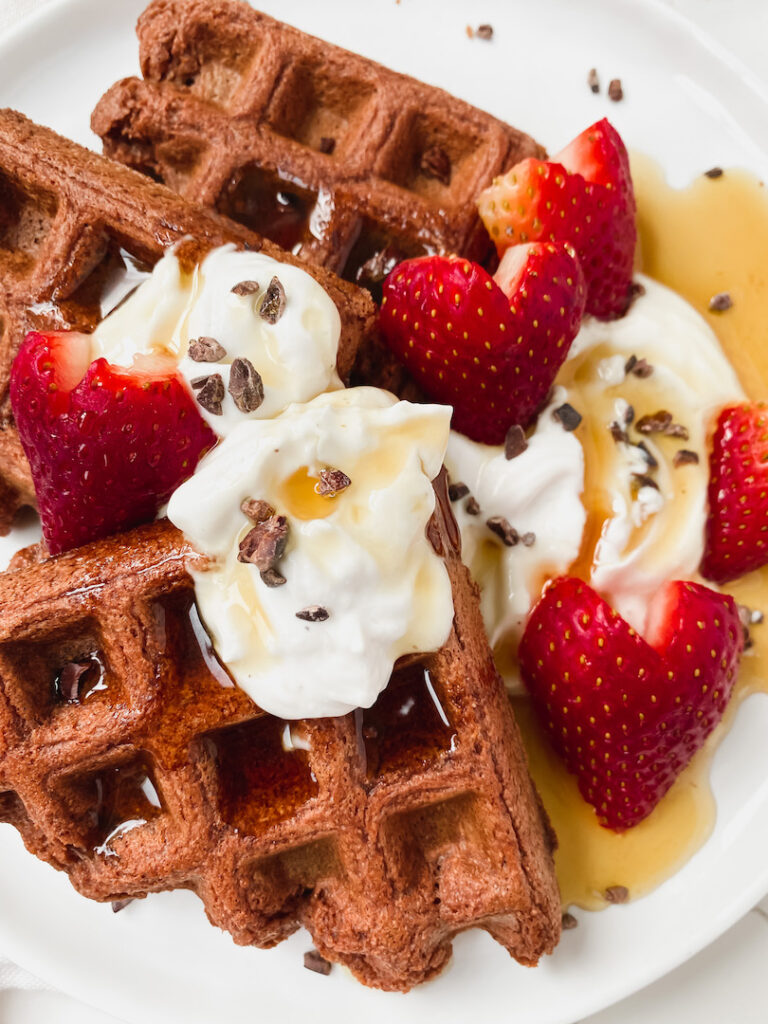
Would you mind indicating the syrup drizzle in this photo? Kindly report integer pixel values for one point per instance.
(708, 238)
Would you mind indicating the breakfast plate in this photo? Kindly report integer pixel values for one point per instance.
(688, 105)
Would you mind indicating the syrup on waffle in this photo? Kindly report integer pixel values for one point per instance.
(129, 760)
(331, 155)
(76, 228)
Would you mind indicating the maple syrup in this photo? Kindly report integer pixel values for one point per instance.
(262, 780)
(708, 238)
(277, 208)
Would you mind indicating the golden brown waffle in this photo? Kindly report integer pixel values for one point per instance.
(395, 829)
(333, 156)
(71, 222)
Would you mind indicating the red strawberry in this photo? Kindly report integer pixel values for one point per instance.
(737, 527)
(491, 350)
(583, 196)
(106, 445)
(627, 714)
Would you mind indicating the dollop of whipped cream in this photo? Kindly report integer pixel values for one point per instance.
(295, 356)
(362, 556)
(607, 502)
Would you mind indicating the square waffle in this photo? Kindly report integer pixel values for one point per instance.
(335, 157)
(73, 226)
(385, 832)
(130, 761)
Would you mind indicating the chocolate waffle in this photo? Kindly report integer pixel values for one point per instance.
(129, 760)
(73, 226)
(335, 157)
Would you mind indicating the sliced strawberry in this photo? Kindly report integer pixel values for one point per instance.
(583, 196)
(627, 714)
(106, 445)
(491, 350)
(737, 526)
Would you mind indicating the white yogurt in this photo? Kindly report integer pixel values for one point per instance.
(363, 556)
(295, 357)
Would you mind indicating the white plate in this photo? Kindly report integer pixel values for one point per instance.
(689, 105)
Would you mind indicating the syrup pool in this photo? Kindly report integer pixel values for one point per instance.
(708, 238)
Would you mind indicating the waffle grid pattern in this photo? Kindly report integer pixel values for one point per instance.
(332, 155)
(70, 224)
(385, 832)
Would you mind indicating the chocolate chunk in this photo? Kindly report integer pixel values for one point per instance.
(327, 145)
(332, 481)
(636, 290)
(206, 350)
(641, 480)
(677, 430)
(457, 491)
(515, 442)
(721, 302)
(506, 533)
(618, 433)
(435, 163)
(245, 385)
(648, 455)
(272, 578)
(314, 613)
(616, 894)
(615, 91)
(638, 367)
(528, 539)
(257, 510)
(684, 457)
(569, 921)
(246, 288)
(484, 32)
(593, 81)
(210, 393)
(273, 303)
(629, 414)
(567, 415)
(314, 962)
(118, 905)
(68, 680)
(370, 732)
(471, 507)
(714, 172)
(263, 546)
(654, 423)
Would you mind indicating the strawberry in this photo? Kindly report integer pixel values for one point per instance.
(106, 445)
(584, 196)
(490, 348)
(737, 526)
(627, 714)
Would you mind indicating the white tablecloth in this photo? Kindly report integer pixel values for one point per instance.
(725, 983)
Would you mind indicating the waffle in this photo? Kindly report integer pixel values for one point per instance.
(385, 832)
(71, 224)
(340, 160)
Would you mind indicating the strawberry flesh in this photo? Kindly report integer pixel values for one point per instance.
(626, 714)
(106, 445)
(583, 196)
(737, 526)
(490, 348)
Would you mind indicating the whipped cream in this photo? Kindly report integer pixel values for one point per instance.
(598, 506)
(295, 357)
(362, 556)
(538, 492)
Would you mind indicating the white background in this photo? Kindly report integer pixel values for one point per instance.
(725, 983)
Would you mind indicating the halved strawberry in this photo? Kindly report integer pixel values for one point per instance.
(737, 526)
(106, 445)
(490, 348)
(583, 196)
(627, 714)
